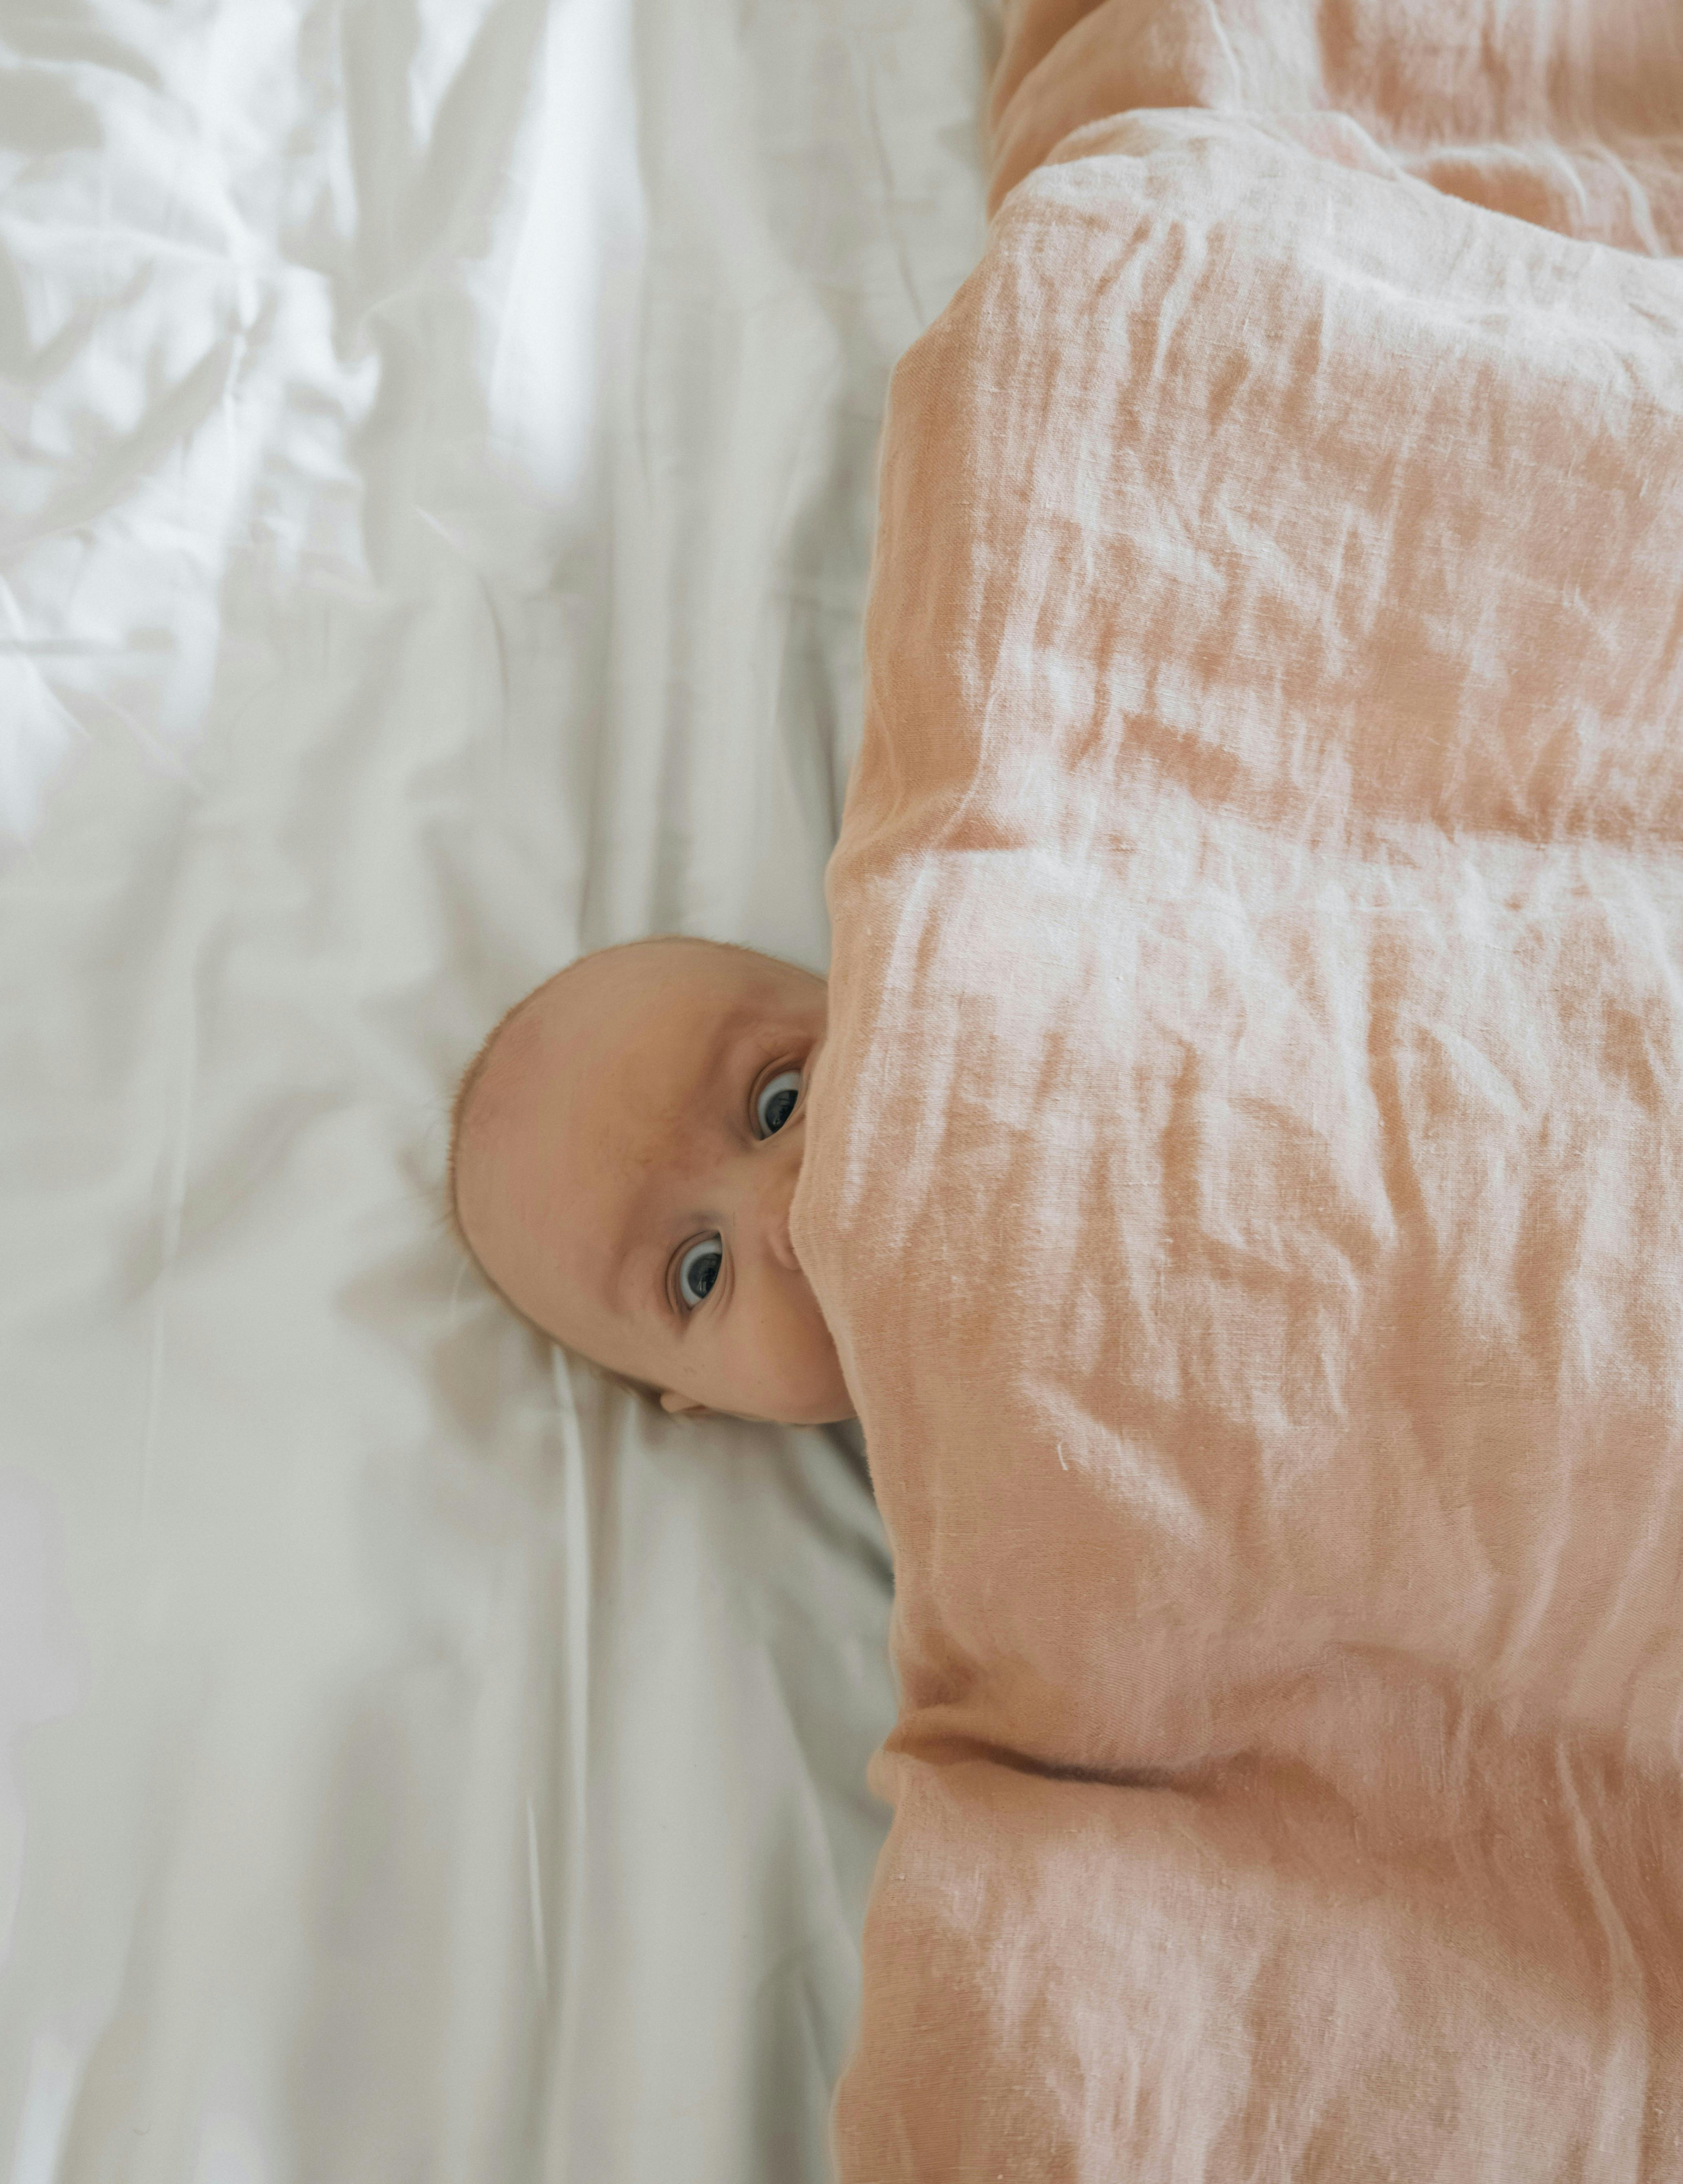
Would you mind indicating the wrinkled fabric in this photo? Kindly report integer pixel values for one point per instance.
(436, 501)
(1244, 1171)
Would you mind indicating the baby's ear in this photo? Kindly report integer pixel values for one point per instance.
(682, 1406)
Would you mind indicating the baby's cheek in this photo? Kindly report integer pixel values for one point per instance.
(769, 1350)
(801, 1357)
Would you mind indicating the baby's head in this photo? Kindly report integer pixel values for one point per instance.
(624, 1151)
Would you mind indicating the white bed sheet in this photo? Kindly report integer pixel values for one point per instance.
(439, 438)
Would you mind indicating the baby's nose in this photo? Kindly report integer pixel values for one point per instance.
(782, 1249)
(778, 1192)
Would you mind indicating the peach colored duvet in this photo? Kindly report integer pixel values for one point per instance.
(1245, 1173)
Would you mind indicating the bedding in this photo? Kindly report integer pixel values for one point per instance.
(1245, 1168)
(438, 442)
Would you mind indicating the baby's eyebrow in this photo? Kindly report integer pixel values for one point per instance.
(636, 1271)
(638, 1286)
(731, 1032)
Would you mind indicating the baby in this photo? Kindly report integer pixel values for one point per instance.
(623, 1153)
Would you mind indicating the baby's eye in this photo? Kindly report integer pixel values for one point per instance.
(776, 1101)
(698, 1270)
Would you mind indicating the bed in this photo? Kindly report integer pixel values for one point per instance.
(440, 500)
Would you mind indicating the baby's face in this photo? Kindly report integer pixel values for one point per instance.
(625, 1167)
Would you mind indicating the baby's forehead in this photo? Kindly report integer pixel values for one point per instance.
(515, 1051)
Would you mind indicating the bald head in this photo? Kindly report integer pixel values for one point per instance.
(624, 1150)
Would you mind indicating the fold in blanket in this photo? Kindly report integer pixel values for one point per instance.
(1245, 1172)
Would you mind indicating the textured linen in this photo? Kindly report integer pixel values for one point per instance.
(1245, 1172)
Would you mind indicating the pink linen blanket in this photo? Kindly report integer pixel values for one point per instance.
(1244, 1171)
